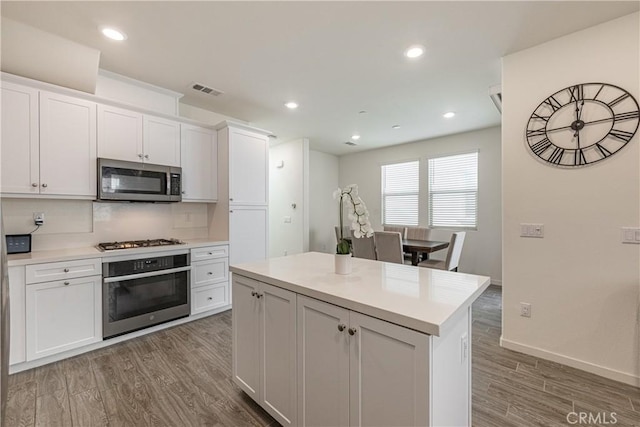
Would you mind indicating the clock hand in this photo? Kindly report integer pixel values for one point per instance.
(586, 123)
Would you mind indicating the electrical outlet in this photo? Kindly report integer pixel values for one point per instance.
(38, 218)
(464, 347)
(525, 309)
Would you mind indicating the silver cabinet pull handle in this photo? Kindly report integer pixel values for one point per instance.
(259, 295)
(146, 156)
(66, 283)
(231, 199)
(45, 185)
(254, 293)
(66, 270)
(341, 327)
(209, 253)
(140, 155)
(209, 298)
(34, 184)
(352, 331)
(209, 273)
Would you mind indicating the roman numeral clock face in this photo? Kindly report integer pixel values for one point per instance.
(582, 124)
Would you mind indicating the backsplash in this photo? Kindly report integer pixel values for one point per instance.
(82, 223)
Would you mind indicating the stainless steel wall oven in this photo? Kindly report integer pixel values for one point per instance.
(139, 291)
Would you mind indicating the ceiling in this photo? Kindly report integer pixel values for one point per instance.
(334, 59)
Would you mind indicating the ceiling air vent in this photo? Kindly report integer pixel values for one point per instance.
(495, 93)
(205, 89)
(351, 143)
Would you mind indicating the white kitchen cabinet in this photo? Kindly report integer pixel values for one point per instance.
(67, 146)
(63, 315)
(348, 363)
(20, 140)
(135, 137)
(17, 346)
(264, 346)
(161, 141)
(199, 157)
(248, 233)
(209, 278)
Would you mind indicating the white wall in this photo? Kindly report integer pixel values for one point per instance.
(582, 282)
(323, 209)
(204, 116)
(289, 186)
(482, 248)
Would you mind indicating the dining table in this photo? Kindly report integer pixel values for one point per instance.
(417, 247)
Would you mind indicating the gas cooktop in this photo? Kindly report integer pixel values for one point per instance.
(131, 244)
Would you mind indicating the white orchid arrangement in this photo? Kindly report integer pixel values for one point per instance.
(358, 214)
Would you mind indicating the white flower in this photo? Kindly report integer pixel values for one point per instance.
(337, 193)
(358, 213)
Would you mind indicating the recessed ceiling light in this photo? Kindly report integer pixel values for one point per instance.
(448, 115)
(355, 137)
(362, 112)
(291, 105)
(414, 51)
(395, 127)
(113, 34)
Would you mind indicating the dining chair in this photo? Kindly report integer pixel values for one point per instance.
(389, 246)
(453, 255)
(363, 247)
(418, 233)
(401, 230)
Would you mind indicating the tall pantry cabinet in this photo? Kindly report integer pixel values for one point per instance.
(247, 151)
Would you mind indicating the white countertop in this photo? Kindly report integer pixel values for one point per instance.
(38, 257)
(415, 297)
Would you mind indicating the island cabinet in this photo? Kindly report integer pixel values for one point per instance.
(264, 346)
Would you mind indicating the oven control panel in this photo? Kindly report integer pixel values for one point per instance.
(144, 265)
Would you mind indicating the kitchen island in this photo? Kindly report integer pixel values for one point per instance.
(388, 344)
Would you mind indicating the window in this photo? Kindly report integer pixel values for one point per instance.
(400, 185)
(453, 191)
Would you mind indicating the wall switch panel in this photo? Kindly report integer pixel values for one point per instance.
(525, 309)
(532, 230)
(287, 220)
(631, 235)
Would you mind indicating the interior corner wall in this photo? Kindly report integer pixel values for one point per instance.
(481, 253)
(583, 284)
(323, 209)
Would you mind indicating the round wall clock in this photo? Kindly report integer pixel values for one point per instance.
(582, 124)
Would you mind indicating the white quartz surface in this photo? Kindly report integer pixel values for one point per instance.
(415, 297)
(39, 257)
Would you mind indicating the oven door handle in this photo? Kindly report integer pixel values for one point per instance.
(142, 275)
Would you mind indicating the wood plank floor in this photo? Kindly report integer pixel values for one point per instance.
(182, 377)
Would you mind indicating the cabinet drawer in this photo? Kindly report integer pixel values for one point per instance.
(38, 273)
(208, 272)
(209, 252)
(210, 297)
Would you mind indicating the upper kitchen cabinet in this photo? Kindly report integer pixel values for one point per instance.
(48, 147)
(136, 137)
(248, 164)
(199, 156)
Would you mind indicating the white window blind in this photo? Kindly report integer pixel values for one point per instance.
(400, 184)
(453, 191)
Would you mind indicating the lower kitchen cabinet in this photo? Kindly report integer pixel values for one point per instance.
(264, 346)
(355, 370)
(17, 347)
(62, 315)
(209, 278)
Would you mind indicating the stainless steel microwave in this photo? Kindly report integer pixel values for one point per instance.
(119, 180)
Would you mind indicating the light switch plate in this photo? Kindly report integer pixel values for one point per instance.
(532, 230)
(631, 235)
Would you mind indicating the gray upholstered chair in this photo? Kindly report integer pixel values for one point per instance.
(418, 233)
(363, 247)
(388, 246)
(401, 230)
(453, 255)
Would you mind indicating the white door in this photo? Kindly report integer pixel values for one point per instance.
(67, 146)
(161, 141)
(63, 315)
(199, 157)
(248, 228)
(389, 374)
(20, 140)
(323, 364)
(246, 336)
(248, 163)
(119, 134)
(278, 329)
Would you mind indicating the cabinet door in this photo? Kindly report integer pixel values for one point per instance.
(20, 151)
(389, 374)
(323, 364)
(248, 168)
(278, 330)
(119, 134)
(248, 228)
(17, 346)
(246, 336)
(63, 315)
(199, 158)
(67, 146)
(161, 141)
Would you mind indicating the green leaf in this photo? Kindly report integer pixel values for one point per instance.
(343, 247)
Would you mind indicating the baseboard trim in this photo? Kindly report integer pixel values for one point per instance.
(612, 374)
(496, 282)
